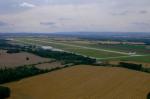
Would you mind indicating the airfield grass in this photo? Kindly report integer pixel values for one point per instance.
(140, 49)
(78, 50)
(145, 59)
(84, 82)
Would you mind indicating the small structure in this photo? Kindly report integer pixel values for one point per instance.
(47, 47)
(132, 53)
(10, 39)
(51, 48)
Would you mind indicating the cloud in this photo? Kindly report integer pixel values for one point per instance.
(120, 13)
(64, 19)
(141, 26)
(75, 15)
(143, 12)
(48, 23)
(27, 5)
(3, 23)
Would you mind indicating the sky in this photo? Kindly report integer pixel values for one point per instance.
(47, 16)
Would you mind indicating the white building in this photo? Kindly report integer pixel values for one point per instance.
(50, 48)
(47, 47)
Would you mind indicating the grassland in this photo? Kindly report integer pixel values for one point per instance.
(75, 49)
(84, 82)
(109, 52)
(140, 49)
(141, 59)
(19, 59)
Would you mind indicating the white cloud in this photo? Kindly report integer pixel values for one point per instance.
(27, 5)
(107, 15)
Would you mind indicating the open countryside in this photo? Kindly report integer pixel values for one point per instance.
(100, 52)
(84, 82)
(74, 49)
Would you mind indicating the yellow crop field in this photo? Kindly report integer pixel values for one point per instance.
(84, 82)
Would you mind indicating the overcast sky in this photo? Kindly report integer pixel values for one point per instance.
(74, 15)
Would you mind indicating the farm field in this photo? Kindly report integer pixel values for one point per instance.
(19, 59)
(84, 82)
(94, 49)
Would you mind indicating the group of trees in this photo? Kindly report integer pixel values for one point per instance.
(13, 74)
(148, 96)
(4, 92)
(63, 56)
(5, 45)
(131, 66)
(10, 51)
(11, 48)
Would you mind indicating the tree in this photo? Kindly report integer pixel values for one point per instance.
(27, 58)
(148, 96)
(131, 66)
(4, 92)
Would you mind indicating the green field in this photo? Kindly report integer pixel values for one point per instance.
(140, 49)
(95, 50)
(78, 50)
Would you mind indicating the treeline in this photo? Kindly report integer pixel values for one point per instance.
(137, 67)
(4, 44)
(132, 66)
(18, 73)
(58, 55)
(63, 56)
(14, 74)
